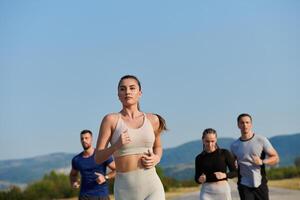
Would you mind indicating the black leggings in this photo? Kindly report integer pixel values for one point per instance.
(248, 193)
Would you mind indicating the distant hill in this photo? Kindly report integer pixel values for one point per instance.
(20, 171)
(288, 147)
(187, 152)
(177, 162)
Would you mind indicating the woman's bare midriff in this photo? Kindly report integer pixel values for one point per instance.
(129, 163)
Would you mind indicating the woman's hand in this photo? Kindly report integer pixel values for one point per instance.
(123, 139)
(202, 178)
(150, 159)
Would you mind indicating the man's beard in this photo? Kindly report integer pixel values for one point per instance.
(86, 146)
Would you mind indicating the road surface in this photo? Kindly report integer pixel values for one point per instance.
(275, 194)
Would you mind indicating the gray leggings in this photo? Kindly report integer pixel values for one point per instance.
(215, 191)
(141, 184)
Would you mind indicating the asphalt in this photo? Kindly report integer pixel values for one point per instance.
(275, 194)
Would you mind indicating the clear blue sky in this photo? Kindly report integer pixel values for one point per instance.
(201, 63)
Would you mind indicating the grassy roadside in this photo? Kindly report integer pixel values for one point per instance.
(291, 183)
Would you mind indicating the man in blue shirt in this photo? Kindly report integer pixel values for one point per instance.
(93, 184)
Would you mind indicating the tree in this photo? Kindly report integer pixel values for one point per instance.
(14, 193)
(52, 186)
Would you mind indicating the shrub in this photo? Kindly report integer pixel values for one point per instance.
(14, 193)
(283, 172)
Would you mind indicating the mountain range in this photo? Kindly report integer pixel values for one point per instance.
(177, 162)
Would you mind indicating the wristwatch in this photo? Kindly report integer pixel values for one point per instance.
(106, 177)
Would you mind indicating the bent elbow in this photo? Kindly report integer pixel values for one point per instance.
(275, 161)
(97, 158)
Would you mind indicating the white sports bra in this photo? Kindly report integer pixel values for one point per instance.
(142, 138)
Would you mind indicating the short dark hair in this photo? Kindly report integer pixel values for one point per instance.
(86, 131)
(243, 115)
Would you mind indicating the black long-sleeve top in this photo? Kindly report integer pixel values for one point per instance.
(216, 161)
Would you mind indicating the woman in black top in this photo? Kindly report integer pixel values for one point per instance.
(211, 168)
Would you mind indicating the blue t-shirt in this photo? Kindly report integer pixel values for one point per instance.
(87, 168)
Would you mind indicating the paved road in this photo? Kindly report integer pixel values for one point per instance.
(275, 194)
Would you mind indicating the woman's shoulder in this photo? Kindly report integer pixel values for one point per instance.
(201, 155)
(111, 117)
(154, 120)
(152, 117)
(226, 152)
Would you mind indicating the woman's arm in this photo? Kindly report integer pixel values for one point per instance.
(157, 149)
(231, 163)
(157, 146)
(153, 159)
(102, 152)
(112, 173)
(199, 175)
